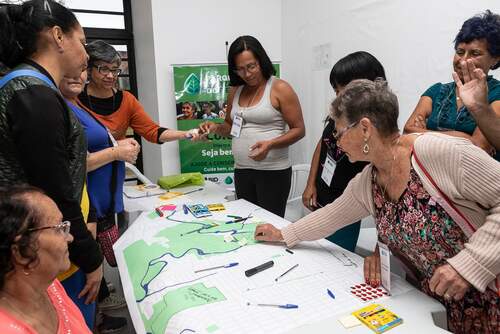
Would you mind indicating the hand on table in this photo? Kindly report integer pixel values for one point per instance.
(371, 268)
(267, 232)
(448, 283)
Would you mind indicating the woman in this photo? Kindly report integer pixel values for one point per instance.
(323, 185)
(106, 172)
(440, 108)
(33, 251)
(116, 109)
(263, 106)
(41, 142)
(454, 259)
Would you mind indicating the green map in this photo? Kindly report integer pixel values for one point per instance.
(201, 238)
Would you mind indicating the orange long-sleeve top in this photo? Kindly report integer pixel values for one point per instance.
(129, 114)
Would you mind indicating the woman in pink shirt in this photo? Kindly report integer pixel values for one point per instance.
(33, 251)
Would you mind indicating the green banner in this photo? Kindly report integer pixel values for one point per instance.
(201, 95)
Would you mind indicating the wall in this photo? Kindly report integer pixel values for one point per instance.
(186, 32)
(412, 39)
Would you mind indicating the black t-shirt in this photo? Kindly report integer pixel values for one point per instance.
(344, 170)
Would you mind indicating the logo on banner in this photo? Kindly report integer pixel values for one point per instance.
(192, 84)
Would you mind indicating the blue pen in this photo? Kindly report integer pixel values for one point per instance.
(330, 293)
(185, 208)
(286, 306)
(224, 266)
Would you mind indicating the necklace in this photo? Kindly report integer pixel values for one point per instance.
(384, 188)
(253, 97)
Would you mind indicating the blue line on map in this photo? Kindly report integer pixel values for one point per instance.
(152, 262)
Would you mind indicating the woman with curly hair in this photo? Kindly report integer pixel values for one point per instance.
(441, 109)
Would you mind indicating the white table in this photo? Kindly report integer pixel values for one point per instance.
(420, 313)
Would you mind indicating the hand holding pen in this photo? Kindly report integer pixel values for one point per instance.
(267, 232)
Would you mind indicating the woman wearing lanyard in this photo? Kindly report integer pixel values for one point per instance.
(331, 169)
(260, 109)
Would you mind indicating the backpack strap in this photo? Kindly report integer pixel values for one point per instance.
(26, 73)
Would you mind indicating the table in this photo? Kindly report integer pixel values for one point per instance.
(163, 293)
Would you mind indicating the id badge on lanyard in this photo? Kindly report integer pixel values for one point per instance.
(328, 169)
(237, 125)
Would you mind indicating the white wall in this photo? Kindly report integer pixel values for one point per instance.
(412, 39)
(190, 31)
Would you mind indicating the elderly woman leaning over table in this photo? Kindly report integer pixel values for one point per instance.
(455, 260)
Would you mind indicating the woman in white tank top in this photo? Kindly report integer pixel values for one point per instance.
(264, 118)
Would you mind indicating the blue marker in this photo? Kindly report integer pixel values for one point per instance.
(218, 267)
(286, 306)
(330, 293)
(185, 208)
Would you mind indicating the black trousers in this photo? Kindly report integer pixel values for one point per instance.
(268, 189)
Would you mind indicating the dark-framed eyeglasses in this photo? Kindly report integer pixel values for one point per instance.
(63, 227)
(338, 134)
(104, 70)
(250, 68)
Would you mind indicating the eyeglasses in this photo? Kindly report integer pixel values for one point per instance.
(104, 70)
(338, 134)
(63, 227)
(250, 68)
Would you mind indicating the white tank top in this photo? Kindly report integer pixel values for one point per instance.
(260, 122)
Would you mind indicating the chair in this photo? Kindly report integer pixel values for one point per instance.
(294, 208)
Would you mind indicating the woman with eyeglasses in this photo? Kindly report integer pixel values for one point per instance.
(440, 107)
(118, 109)
(432, 208)
(33, 251)
(264, 118)
(41, 141)
(331, 170)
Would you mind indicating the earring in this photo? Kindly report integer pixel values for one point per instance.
(26, 273)
(366, 148)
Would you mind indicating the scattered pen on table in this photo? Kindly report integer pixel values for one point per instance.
(330, 293)
(218, 267)
(238, 220)
(289, 251)
(192, 191)
(285, 306)
(159, 212)
(235, 217)
(185, 208)
(286, 272)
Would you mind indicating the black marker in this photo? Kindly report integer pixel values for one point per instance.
(258, 269)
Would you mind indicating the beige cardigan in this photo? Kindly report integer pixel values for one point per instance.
(466, 174)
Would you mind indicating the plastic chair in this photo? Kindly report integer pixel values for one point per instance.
(294, 207)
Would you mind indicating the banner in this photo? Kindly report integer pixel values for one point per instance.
(201, 95)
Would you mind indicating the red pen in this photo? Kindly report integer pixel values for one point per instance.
(159, 212)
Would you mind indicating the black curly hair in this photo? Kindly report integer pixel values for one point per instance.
(17, 215)
(487, 26)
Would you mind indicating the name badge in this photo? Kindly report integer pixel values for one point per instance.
(385, 265)
(328, 170)
(237, 124)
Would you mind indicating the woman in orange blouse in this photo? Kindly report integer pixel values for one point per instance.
(117, 109)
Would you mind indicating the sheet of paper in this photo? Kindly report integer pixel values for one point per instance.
(157, 259)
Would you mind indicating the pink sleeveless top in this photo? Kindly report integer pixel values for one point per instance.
(70, 318)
